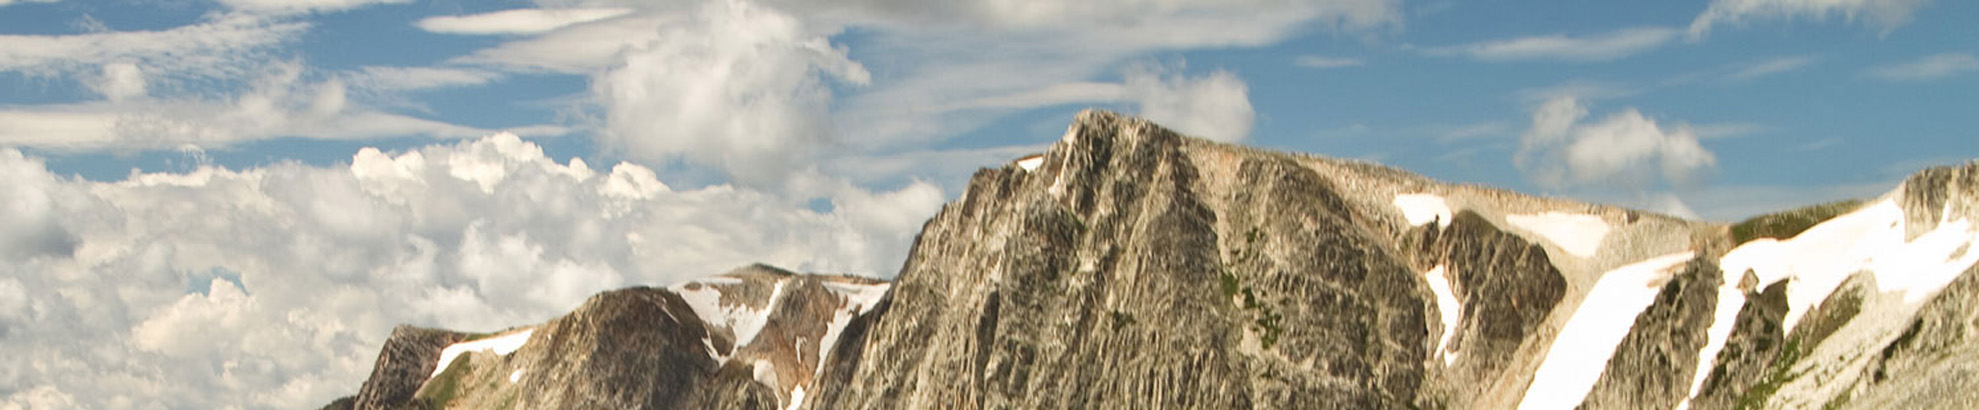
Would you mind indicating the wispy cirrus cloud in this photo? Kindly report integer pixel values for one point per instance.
(302, 6)
(1933, 67)
(5, 3)
(517, 21)
(1884, 14)
(1771, 66)
(1323, 62)
(388, 78)
(279, 102)
(223, 45)
(1609, 46)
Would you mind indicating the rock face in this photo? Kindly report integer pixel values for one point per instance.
(409, 355)
(1132, 267)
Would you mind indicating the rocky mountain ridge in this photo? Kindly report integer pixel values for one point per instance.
(1132, 267)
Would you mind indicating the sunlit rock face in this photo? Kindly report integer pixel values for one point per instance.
(1132, 267)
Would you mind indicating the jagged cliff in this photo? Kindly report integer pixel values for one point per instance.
(1131, 267)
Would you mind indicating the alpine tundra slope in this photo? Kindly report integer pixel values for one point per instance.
(1131, 267)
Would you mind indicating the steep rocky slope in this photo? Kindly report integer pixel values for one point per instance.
(1131, 267)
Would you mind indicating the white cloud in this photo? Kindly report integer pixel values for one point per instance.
(518, 21)
(278, 103)
(1055, 94)
(5, 3)
(1932, 67)
(740, 88)
(989, 54)
(1320, 62)
(1623, 151)
(577, 49)
(222, 46)
(1727, 130)
(119, 82)
(478, 235)
(302, 6)
(1886, 14)
(384, 78)
(1771, 67)
(1606, 47)
(39, 397)
(1216, 106)
(954, 66)
(212, 83)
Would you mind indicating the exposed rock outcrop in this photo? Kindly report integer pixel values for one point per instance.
(1132, 267)
(408, 357)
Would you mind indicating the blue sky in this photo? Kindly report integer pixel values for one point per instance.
(231, 202)
(1787, 98)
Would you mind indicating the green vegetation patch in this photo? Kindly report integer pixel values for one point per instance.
(442, 389)
(1121, 319)
(1786, 224)
(1782, 372)
(1265, 320)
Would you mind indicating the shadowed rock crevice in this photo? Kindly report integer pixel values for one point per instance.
(409, 356)
(1754, 359)
(1652, 367)
(1506, 285)
(1131, 267)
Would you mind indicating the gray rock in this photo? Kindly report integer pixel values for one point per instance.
(1138, 268)
(407, 358)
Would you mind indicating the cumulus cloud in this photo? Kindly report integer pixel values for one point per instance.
(119, 82)
(1606, 47)
(741, 88)
(477, 235)
(32, 199)
(518, 21)
(1928, 68)
(1216, 106)
(1626, 150)
(1885, 14)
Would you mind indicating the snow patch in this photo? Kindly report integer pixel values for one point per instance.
(1588, 340)
(740, 319)
(1424, 208)
(515, 376)
(1818, 260)
(500, 345)
(765, 372)
(863, 296)
(1447, 305)
(1578, 234)
(796, 398)
(859, 299)
(1031, 163)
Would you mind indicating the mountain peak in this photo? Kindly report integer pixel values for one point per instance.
(1129, 266)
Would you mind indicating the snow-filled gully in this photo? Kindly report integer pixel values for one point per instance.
(1588, 340)
(1818, 260)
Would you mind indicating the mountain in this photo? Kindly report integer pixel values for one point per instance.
(1131, 267)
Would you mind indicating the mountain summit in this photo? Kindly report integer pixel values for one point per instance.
(1131, 267)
